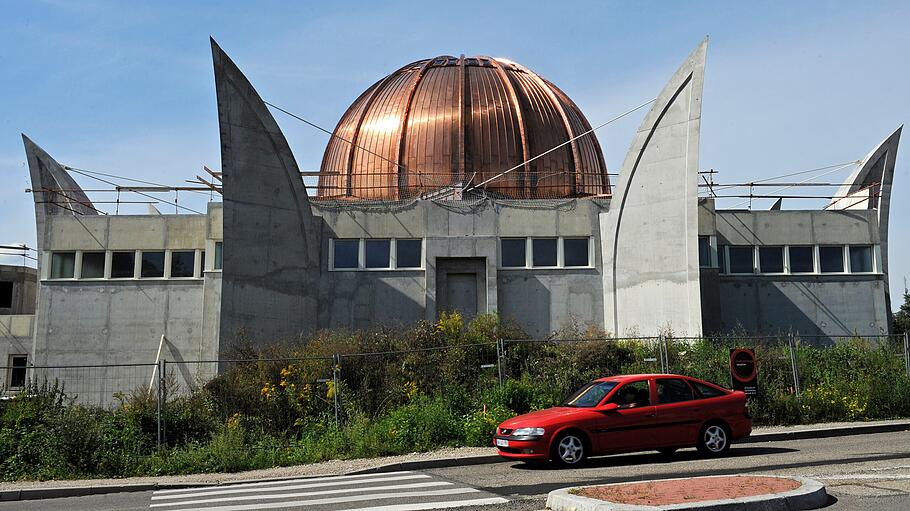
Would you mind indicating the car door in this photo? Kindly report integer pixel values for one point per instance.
(631, 426)
(679, 414)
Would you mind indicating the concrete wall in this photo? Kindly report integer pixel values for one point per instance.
(541, 301)
(108, 321)
(826, 305)
(24, 282)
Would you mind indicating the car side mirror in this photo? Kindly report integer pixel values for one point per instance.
(609, 407)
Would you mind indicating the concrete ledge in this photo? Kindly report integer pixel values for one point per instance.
(810, 495)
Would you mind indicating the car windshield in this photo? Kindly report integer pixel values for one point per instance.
(589, 395)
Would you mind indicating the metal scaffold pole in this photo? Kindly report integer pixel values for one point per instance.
(500, 352)
(793, 365)
(907, 353)
(336, 366)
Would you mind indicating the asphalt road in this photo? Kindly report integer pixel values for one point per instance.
(860, 472)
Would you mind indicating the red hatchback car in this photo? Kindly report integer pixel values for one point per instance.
(629, 413)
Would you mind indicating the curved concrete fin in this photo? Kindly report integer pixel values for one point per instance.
(54, 190)
(271, 244)
(653, 218)
(777, 205)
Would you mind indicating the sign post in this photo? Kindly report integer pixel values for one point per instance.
(742, 370)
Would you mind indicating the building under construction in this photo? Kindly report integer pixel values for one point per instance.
(455, 183)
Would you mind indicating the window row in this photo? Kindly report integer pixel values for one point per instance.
(131, 264)
(545, 252)
(796, 259)
(375, 254)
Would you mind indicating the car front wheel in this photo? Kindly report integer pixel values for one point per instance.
(714, 439)
(569, 450)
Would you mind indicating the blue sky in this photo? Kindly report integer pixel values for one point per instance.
(127, 88)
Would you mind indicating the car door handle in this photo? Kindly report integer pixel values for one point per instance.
(696, 409)
(651, 415)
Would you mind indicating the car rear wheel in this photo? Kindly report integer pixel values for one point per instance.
(569, 449)
(714, 439)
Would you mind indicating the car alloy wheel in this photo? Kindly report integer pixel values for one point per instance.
(714, 439)
(570, 450)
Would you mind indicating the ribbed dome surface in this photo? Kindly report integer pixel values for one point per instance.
(449, 123)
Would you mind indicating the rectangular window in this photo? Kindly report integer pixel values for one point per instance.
(123, 265)
(408, 253)
(722, 258)
(18, 367)
(544, 252)
(831, 259)
(704, 251)
(575, 252)
(219, 255)
(6, 294)
(377, 253)
(742, 260)
(63, 265)
(346, 253)
(771, 259)
(92, 265)
(183, 263)
(152, 265)
(513, 252)
(861, 259)
(801, 259)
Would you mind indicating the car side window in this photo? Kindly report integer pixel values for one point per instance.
(632, 395)
(707, 391)
(673, 390)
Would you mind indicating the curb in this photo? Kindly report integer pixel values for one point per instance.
(427, 464)
(802, 434)
(810, 495)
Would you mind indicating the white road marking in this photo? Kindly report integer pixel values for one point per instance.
(341, 500)
(268, 496)
(230, 490)
(287, 481)
(434, 505)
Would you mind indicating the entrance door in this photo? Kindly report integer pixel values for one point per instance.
(461, 285)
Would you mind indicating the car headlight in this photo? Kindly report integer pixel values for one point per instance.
(528, 432)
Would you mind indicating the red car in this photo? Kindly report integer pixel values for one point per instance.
(635, 412)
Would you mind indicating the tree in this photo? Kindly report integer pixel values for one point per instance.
(902, 317)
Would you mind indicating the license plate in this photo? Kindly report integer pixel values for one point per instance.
(502, 443)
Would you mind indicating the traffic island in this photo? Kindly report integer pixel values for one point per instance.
(715, 493)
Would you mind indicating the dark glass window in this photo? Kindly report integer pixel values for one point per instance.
(408, 253)
(378, 253)
(6, 294)
(861, 259)
(17, 373)
(704, 251)
(152, 265)
(219, 255)
(92, 265)
(741, 260)
(514, 252)
(632, 395)
(183, 263)
(673, 390)
(544, 251)
(707, 391)
(123, 265)
(589, 395)
(575, 251)
(831, 259)
(801, 259)
(63, 265)
(771, 259)
(722, 259)
(346, 253)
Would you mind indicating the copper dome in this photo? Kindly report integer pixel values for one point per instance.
(449, 123)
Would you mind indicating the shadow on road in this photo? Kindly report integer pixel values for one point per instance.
(655, 458)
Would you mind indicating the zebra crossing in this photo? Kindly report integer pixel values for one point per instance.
(390, 491)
